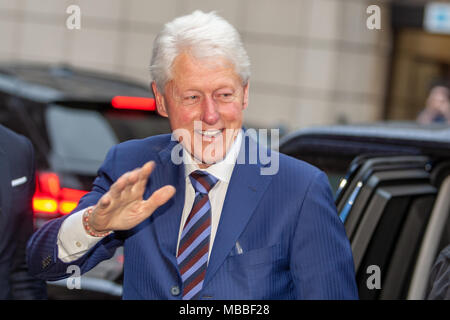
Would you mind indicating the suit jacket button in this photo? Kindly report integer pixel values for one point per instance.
(175, 290)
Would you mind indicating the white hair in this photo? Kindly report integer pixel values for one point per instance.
(203, 35)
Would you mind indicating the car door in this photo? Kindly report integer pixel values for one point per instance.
(385, 209)
(436, 235)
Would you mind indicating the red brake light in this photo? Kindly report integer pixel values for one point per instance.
(50, 199)
(133, 103)
(49, 183)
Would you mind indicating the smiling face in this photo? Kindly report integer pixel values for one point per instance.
(204, 102)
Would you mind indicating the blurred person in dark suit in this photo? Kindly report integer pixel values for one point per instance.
(437, 109)
(16, 217)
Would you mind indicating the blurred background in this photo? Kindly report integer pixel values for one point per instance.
(313, 61)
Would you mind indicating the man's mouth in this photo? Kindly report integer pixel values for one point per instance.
(209, 135)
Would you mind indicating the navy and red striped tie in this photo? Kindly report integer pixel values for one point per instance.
(193, 248)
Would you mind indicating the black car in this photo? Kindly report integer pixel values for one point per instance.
(73, 117)
(392, 185)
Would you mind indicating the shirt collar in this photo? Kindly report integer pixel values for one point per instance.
(221, 170)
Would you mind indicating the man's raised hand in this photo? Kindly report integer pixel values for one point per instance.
(123, 206)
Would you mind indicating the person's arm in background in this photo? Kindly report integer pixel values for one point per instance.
(23, 285)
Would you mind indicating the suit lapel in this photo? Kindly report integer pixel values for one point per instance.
(166, 219)
(244, 192)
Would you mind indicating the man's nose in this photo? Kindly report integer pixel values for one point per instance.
(210, 114)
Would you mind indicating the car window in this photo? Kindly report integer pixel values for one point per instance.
(135, 125)
(399, 272)
(79, 139)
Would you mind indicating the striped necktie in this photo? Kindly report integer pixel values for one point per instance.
(193, 248)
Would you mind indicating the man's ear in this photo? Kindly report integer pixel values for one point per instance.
(245, 100)
(159, 99)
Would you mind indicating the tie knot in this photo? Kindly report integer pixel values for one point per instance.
(202, 181)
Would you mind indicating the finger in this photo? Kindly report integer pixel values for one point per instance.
(132, 179)
(144, 174)
(146, 170)
(123, 184)
(118, 186)
(158, 198)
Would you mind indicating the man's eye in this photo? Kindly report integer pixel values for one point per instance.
(225, 96)
(189, 100)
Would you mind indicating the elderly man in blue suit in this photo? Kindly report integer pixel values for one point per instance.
(198, 215)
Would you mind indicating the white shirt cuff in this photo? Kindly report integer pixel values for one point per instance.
(73, 241)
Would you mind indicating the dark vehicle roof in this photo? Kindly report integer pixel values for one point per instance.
(376, 136)
(342, 143)
(50, 83)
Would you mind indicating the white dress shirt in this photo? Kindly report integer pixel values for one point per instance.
(73, 241)
(221, 170)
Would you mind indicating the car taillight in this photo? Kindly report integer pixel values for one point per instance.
(45, 205)
(133, 103)
(50, 199)
(69, 199)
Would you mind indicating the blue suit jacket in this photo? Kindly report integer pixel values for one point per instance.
(293, 244)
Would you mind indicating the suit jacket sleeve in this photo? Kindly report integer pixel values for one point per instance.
(42, 249)
(321, 258)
